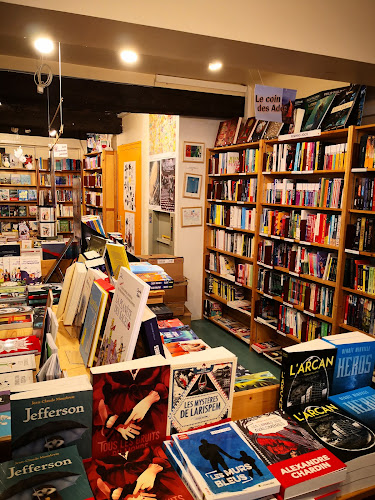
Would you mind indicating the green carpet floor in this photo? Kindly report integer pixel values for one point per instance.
(216, 337)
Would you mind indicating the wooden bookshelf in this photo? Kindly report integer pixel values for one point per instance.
(101, 164)
(348, 172)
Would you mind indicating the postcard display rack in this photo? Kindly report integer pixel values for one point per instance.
(297, 239)
(99, 187)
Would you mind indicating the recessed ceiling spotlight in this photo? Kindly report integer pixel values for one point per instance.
(215, 66)
(129, 56)
(44, 45)
(52, 133)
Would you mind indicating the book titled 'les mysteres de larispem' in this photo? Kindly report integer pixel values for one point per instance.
(307, 372)
(55, 475)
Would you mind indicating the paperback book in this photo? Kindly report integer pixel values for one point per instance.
(224, 464)
(56, 475)
(177, 333)
(359, 404)
(202, 386)
(254, 380)
(306, 373)
(49, 418)
(19, 345)
(130, 406)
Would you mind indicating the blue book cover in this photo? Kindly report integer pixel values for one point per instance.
(150, 334)
(177, 334)
(355, 361)
(224, 464)
(56, 476)
(359, 403)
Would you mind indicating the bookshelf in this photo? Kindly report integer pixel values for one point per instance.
(99, 187)
(301, 219)
(65, 170)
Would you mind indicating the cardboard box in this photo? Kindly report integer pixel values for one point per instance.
(178, 293)
(174, 266)
(186, 317)
(178, 308)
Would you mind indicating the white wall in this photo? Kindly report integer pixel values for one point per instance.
(38, 146)
(134, 129)
(189, 241)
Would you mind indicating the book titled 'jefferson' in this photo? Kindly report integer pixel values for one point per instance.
(54, 475)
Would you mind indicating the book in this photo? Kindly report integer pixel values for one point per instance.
(177, 333)
(93, 322)
(74, 294)
(31, 271)
(118, 258)
(59, 475)
(282, 444)
(65, 290)
(254, 380)
(246, 128)
(130, 405)
(258, 130)
(306, 373)
(342, 106)
(91, 276)
(228, 132)
(19, 345)
(49, 418)
(124, 319)
(161, 311)
(182, 348)
(17, 363)
(150, 334)
(142, 474)
(318, 113)
(273, 130)
(223, 463)
(355, 361)
(359, 404)
(201, 389)
(169, 323)
(14, 379)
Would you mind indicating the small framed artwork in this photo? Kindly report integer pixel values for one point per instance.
(193, 152)
(191, 216)
(192, 185)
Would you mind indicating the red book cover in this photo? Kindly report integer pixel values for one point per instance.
(127, 476)
(130, 406)
(19, 345)
(227, 132)
(245, 131)
(170, 323)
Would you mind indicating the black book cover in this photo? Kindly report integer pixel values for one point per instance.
(306, 374)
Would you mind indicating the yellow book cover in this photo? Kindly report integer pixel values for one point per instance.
(117, 256)
(256, 160)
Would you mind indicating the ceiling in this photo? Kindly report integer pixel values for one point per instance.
(94, 42)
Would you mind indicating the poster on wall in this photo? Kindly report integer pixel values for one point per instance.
(130, 231)
(162, 134)
(274, 104)
(129, 185)
(154, 178)
(167, 191)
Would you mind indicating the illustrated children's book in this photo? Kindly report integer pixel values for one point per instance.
(54, 475)
(50, 417)
(354, 362)
(306, 374)
(130, 405)
(224, 464)
(124, 319)
(19, 345)
(202, 386)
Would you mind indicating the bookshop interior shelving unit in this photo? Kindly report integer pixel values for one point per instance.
(304, 220)
(65, 170)
(99, 187)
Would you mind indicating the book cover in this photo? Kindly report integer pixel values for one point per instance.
(354, 362)
(282, 444)
(317, 115)
(360, 404)
(65, 290)
(227, 132)
(49, 419)
(57, 475)
(4, 194)
(124, 319)
(91, 276)
(202, 386)
(150, 334)
(139, 474)
(224, 464)
(118, 258)
(182, 348)
(254, 380)
(306, 373)
(17, 363)
(31, 271)
(74, 294)
(259, 130)
(177, 333)
(19, 345)
(130, 406)
(342, 106)
(93, 322)
(169, 323)
(348, 439)
(15, 179)
(246, 128)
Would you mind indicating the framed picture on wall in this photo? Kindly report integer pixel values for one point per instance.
(192, 185)
(193, 152)
(191, 216)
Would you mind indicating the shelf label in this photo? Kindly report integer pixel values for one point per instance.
(240, 202)
(281, 333)
(268, 296)
(294, 274)
(300, 135)
(309, 313)
(275, 237)
(60, 150)
(265, 265)
(355, 252)
(289, 239)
